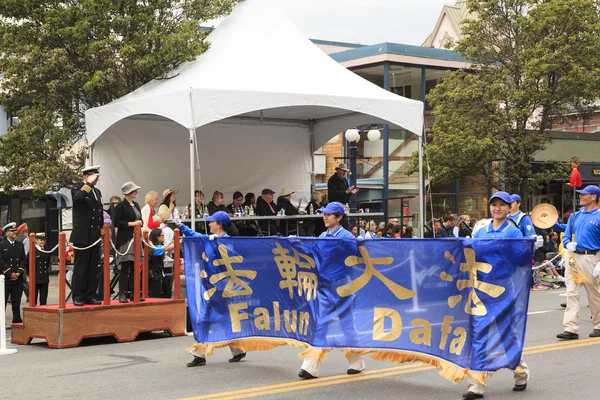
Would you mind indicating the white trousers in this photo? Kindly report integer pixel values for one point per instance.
(313, 367)
(520, 379)
(586, 264)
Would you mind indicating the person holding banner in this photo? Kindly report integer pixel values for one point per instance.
(220, 226)
(582, 237)
(499, 228)
(333, 214)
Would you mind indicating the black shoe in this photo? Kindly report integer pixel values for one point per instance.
(351, 371)
(18, 321)
(566, 335)
(78, 303)
(197, 362)
(595, 333)
(93, 301)
(237, 358)
(519, 388)
(123, 299)
(305, 375)
(471, 395)
(563, 305)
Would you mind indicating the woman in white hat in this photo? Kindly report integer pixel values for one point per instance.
(126, 216)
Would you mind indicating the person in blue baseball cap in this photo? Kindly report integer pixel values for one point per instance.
(498, 228)
(521, 219)
(582, 237)
(333, 214)
(220, 227)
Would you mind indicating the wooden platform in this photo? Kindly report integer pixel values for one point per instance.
(66, 328)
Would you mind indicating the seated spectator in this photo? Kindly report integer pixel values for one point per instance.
(316, 225)
(216, 204)
(464, 229)
(354, 231)
(150, 220)
(389, 231)
(396, 231)
(236, 206)
(266, 207)
(284, 201)
(250, 202)
(198, 203)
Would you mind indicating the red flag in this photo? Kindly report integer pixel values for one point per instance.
(575, 179)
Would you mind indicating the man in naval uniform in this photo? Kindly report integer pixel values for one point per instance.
(87, 225)
(12, 264)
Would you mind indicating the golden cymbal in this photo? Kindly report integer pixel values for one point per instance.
(544, 215)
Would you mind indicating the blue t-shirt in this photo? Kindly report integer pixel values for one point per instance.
(158, 250)
(506, 231)
(339, 232)
(525, 224)
(587, 229)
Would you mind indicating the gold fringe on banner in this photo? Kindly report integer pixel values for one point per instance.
(248, 344)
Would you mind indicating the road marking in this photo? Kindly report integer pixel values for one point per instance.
(540, 312)
(372, 374)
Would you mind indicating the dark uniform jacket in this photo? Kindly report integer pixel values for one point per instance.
(12, 259)
(88, 215)
(213, 208)
(287, 205)
(336, 189)
(42, 267)
(123, 215)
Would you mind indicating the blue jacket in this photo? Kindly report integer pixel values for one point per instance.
(586, 226)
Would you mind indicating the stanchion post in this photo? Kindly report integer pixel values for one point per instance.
(32, 250)
(62, 270)
(106, 265)
(136, 264)
(3, 349)
(145, 270)
(176, 266)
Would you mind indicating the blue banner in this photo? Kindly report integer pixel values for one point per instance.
(460, 301)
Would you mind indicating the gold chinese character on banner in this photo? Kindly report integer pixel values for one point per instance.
(233, 275)
(305, 282)
(370, 271)
(474, 304)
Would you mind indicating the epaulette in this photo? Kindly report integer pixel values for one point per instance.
(4, 272)
(86, 188)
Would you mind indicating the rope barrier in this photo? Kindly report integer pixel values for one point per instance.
(117, 251)
(150, 245)
(46, 251)
(547, 263)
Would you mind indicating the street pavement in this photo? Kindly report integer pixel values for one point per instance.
(153, 367)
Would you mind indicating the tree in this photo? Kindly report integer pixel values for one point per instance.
(535, 62)
(62, 57)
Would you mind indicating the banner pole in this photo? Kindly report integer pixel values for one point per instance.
(3, 349)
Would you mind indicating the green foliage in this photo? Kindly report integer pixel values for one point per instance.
(535, 62)
(61, 58)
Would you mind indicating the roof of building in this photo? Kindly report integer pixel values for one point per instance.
(456, 13)
(397, 48)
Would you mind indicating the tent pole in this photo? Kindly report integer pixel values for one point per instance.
(311, 134)
(421, 190)
(192, 179)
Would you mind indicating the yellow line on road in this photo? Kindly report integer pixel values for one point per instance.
(372, 374)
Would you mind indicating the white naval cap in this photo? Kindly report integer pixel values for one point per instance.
(92, 170)
(12, 226)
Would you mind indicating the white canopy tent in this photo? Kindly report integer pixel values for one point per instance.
(252, 110)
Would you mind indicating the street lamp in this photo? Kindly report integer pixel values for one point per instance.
(373, 134)
(353, 135)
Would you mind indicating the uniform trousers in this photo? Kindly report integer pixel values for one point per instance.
(586, 263)
(14, 291)
(41, 293)
(84, 273)
(520, 379)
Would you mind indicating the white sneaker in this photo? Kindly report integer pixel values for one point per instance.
(560, 278)
(357, 365)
